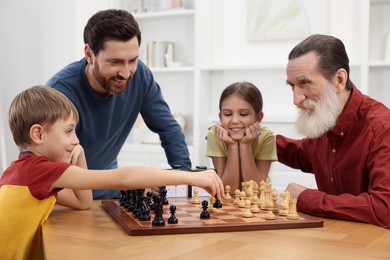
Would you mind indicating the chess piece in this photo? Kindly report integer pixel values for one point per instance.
(249, 185)
(255, 192)
(255, 207)
(236, 197)
(212, 201)
(172, 219)
(267, 197)
(227, 196)
(217, 204)
(270, 215)
(293, 214)
(204, 214)
(262, 194)
(195, 199)
(163, 195)
(285, 203)
(247, 212)
(158, 219)
(144, 210)
(124, 198)
(241, 204)
(274, 195)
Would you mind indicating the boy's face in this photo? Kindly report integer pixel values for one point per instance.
(236, 116)
(59, 141)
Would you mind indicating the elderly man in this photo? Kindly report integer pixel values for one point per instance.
(347, 144)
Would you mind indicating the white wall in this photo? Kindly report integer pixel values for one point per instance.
(39, 37)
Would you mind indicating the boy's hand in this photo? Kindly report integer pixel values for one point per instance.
(209, 181)
(76, 153)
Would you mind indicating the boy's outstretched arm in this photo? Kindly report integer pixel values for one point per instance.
(137, 178)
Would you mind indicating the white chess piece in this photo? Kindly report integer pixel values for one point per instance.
(293, 214)
(247, 212)
(195, 199)
(211, 208)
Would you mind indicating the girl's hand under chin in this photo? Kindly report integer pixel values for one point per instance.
(222, 134)
(251, 133)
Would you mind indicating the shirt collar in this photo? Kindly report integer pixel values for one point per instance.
(346, 118)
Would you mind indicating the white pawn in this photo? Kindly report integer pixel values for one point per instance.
(270, 215)
(255, 208)
(227, 196)
(275, 201)
(195, 199)
(247, 213)
(211, 208)
(241, 204)
(237, 197)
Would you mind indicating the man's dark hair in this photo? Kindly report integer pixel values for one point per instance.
(330, 51)
(108, 25)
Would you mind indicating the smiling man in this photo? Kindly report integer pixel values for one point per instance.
(347, 144)
(110, 86)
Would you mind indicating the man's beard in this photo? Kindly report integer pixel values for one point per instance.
(317, 117)
(106, 84)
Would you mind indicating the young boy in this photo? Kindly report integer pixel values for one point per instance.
(52, 169)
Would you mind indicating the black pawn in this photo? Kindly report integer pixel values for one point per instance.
(205, 214)
(163, 195)
(172, 219)
(217, 204)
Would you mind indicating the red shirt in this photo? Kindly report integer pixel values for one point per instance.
(351, 164)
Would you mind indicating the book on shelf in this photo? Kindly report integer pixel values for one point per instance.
(156, 53)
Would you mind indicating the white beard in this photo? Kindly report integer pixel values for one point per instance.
(317, 117)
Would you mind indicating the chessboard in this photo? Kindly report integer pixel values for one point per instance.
(227, 219)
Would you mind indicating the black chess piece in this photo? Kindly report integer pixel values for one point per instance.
(138, 202)
(130, 200)
(172, 219)
(144, 212)
(217, 204)
(123, 198)
(204, 214)
(158, 219)
(163, 195)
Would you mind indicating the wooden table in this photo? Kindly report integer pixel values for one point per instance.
(93, 234)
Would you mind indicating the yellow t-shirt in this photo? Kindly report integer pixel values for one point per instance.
(263, 148)
(21, 234)
(26, 200)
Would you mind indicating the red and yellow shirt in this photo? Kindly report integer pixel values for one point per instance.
(26, 200)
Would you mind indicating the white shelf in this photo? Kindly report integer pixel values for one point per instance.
(164, 14)
(244, 67)
(380, 64)
(380, 2)
(172, 69)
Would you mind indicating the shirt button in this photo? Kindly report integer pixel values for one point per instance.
(331, 179)
(342, 133)
(333, 150)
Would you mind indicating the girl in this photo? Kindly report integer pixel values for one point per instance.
(241, 150)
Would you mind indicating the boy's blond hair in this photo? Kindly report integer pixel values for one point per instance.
(37, 105)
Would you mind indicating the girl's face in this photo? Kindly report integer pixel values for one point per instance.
(237, 115)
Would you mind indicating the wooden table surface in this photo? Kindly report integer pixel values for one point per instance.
(93, 234)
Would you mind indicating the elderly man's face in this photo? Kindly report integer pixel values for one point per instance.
(317, 99)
